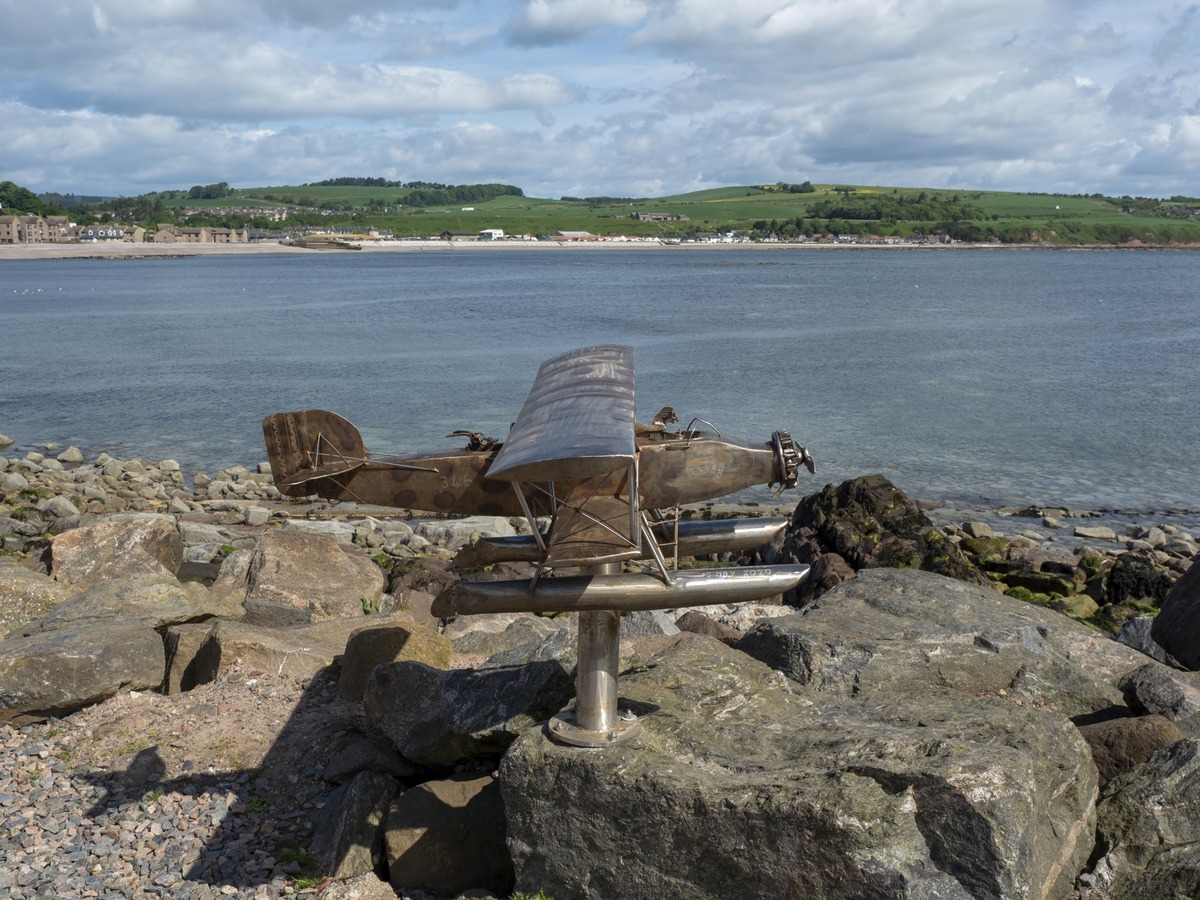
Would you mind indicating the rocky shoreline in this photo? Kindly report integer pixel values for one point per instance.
(299, 677)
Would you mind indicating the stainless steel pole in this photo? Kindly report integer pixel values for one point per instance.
(594, 721)
(599, 658)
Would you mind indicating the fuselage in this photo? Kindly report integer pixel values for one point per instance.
(674, 468)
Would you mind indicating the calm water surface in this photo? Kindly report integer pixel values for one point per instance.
(977, 377)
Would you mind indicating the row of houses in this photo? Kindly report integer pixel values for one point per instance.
(57, 229)
(33, 229)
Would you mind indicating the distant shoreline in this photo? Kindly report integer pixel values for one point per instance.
(129, 250)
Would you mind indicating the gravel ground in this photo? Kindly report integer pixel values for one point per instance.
(208, 794)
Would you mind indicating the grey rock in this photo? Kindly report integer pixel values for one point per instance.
(1159, 690)
(189, 659)
(437, 718)
(446, 837)
(18, 527)
(744, 616)
(12, 482)
(388, 640)
(1181, 547)
(348, 838)
(457, 533)
(978, 529)
(26, 595)
(1177, 627)
(59, 672)
(204, 533)
(647, 622)
(906, 630)
(59, 508)
(1148, 833)
(1138, 634)
(698, 623)
(342, 532)
(1120, 744)
(292, 578)
(155, 600)
(256, 516)
(1156, 537)
(71, 455)
(361, 754)
(1094, 533)
(740, 778)
(487, 635)
(297, 651)
(117, 547)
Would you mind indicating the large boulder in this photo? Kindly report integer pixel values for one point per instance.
(26, 595)
(1119, 745)
(865, 523)
(1155, 689)
(906, 630)
(297, 651)
(59, 672)
(157, 600)
(446, 837)
(116, 548)
(348, 835)
(741, 778)
(1136, 577)
(293, 578)
(439, 718)
(1177, 627)
(1148, 833)
(389, 642)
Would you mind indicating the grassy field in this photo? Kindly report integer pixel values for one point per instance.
(996, 215)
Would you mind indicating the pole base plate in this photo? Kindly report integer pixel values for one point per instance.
(564, 729)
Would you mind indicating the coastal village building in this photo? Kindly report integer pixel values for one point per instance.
(94, 233)
(47, 229)
(173, 234)
(27, 230)
(659, 217)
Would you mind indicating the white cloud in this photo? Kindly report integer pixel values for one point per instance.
(621, 97)
(559, 21)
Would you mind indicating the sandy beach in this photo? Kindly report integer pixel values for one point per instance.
(129, 250)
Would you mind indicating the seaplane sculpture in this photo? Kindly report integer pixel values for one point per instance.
(610, 489)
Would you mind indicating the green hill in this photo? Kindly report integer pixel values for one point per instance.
(779, 210)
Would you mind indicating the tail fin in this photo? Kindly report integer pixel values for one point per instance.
(310, 444)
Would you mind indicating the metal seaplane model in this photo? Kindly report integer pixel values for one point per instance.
(609, 488)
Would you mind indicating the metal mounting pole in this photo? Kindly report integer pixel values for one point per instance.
(595, 721)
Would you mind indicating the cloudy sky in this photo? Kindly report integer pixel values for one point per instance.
(587, 97)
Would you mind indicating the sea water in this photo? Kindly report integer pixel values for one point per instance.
(977, 377)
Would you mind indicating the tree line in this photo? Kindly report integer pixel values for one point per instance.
(429, 193)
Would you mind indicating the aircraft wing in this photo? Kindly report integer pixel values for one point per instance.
(578, 420)
(574, 437)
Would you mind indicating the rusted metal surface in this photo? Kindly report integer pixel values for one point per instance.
(674, 468)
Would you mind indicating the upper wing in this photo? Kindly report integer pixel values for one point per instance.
(576, 430)
(577, 421)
